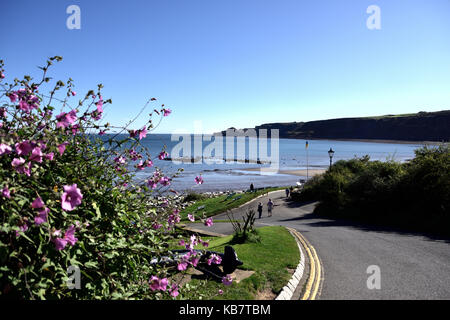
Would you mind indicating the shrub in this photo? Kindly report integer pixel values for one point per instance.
(68, 198)
(413, 194)
(244, 232)
(193, 196)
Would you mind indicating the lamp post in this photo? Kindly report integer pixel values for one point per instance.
(330, 154)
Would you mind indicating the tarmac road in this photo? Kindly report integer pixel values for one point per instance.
(411, 266)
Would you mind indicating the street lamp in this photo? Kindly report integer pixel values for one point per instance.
(330, 153)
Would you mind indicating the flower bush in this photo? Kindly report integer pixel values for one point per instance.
(68, 197)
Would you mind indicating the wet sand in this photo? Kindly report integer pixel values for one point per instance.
(299, 172)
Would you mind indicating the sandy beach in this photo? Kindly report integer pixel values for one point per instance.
(299, 172)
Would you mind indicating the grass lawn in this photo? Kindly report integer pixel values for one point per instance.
(216, 205)
(270, 259)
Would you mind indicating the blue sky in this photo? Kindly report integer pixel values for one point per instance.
(239, 62)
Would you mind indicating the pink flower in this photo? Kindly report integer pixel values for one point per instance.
(96, 115)
(165, 181)
(60, 243)
(2, 75)
(174, 290)
(173, 219)
(132, 133)
(191, 217)
(154, 283)
(71, 117)
(220, 291)
(205, 243)
(36, 155)
(195, 261)
(42, 216)
(142, 133)
(49, 156)
(5, 149)
(181, 242)
(194, 240)
(209, 222)
(152, 184)
(227, 280)
(6, 193)
(120, 160)
(37, 203)
(198, 180)
(158, 284)
(214, 258)
(13, 96)
(17, 162)
(182, 266)
(134, 155)
(73, 93)
(99, 105)
(24, 106)
(62, 148)
(166, 112)
(162, 155)
(33, 101)
(75, 129)
(23, 227)
(66, 119)
(22, 92)
(56, 233)
(42, 144)
(156, 226)
(102, 132)
(163, 284)
(23, 148)
(71, 197)
(141, 165)
(69, 235)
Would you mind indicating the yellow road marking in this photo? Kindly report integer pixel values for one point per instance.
(314, 280)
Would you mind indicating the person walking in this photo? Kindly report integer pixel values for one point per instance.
(269, 207)
(252, 188)
(287, 192)
(260, 209)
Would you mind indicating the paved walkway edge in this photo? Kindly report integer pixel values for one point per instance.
(254, 199)
(288, 290)
(203, 232)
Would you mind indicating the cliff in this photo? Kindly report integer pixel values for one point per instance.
(422, 126)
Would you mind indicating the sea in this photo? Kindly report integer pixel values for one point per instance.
(286, 154)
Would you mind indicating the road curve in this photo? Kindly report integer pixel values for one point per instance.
(412, 266)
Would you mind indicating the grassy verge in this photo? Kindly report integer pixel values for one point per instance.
(270, 259)
(212, 206)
